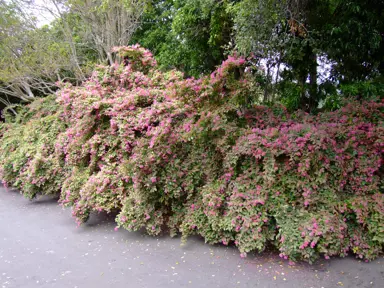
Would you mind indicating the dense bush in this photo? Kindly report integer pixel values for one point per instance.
(27, 158)
(198, 156)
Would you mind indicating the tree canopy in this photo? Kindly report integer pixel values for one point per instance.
(310, 54)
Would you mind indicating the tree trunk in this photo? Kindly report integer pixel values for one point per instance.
(313, 93)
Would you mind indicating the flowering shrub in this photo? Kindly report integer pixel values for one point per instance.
(27, 159)
(198, 156)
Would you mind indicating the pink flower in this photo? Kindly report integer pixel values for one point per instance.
(227, 176)
(243, 255)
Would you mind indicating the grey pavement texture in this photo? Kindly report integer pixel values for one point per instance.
(41, 246)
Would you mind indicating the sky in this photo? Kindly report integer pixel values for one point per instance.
(39, 8)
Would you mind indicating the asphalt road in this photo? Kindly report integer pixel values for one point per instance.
(41, 246)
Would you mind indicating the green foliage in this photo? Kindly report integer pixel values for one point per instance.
(31, 59)
(27, 160)
(86, 53)
(353, 39)
(291, 39)
(188, 35)
(296, 34)
(372, 89)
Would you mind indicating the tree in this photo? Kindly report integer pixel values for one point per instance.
(31, 60)
(292, 35)
(110, 22)
(354, 39)
(191, 36)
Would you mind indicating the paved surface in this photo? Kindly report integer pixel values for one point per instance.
(41, 246)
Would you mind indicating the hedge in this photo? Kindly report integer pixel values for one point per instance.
(199, 156)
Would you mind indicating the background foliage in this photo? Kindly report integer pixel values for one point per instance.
(306, 54)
